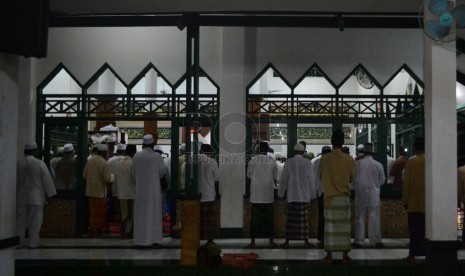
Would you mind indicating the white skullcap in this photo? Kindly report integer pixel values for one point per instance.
(182, 147)
(120, 147)
(158, 148)
(360, 147)
(68, 148)
(102, 147)
(279, 155)
(30, 146)
(299, 147)
(148, 139)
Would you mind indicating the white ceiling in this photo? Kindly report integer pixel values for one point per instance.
(162, 6)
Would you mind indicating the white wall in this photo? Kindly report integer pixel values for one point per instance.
(9, 74)
(293, 50)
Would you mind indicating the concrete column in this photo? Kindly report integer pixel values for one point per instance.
(9, 91)
(232, 134)
(441, 157)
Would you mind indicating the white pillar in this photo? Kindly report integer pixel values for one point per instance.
(232, 127)
(9, 68)
(440, 157)
(440, 141)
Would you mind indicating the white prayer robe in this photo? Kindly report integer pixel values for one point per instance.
(34, 182)
(369, 179)
(148, 167)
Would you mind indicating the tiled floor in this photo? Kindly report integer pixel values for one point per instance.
(115, 257)
(116, 249)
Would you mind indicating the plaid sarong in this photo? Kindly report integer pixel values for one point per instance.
(262, 221)
(208, 229)
(337, 223)
(297, 221)
(97, 213)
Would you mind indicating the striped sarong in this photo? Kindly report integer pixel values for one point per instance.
(97, 213)
(297, 221)
(337, 223)
(416, 233)
(262, 221)
(208, 229)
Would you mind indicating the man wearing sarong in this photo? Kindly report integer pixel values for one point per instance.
(413, 199)
(337, 170)
(262, 171)
(98, 178)
(297, 180)
(148, 168)
(208, 178)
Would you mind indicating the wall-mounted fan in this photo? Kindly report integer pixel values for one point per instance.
(444, 20)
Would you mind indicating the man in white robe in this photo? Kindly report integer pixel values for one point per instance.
(34, 182)
(369, 179)
(148, 167)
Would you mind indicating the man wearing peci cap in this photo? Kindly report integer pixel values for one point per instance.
(367, 185)
(125, 186)
(297, 180)
(148, 168)
(34, 182)
(337, 170)
(66, 169)
(113, 203)
(98, 176)
(262, 170)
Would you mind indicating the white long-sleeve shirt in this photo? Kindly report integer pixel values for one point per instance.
(297, 179)
(316, 177)
(124, 183)
(369, 179)
(34, 181)
(208, 175)
(262, 171)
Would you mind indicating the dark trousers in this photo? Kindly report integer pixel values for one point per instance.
(416, 232)
(321, 218)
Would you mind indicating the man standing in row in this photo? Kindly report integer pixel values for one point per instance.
(125, 186)
(320, 193)
(297, 180)
(66, 169)
(34, 182)
(208, 179)
(262, 170)
(337, 170)
(98, 176)
(367, 185)
(413, 199)
(148, 168)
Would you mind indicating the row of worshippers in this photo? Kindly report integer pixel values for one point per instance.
(329, 178)
(137, 178)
